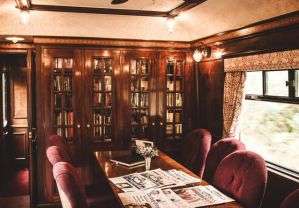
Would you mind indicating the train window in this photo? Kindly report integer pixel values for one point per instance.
(4, 101)
(276, 83)
(257, 79)
(270, 120)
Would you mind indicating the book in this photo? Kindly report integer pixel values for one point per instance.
(129, 160)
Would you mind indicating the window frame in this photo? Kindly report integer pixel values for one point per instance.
(293, 75)
(5, 99)
(292, 88)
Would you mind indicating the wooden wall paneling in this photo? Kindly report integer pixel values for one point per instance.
(211, 83)
(19, 143)
(41, 94)
(190, 94)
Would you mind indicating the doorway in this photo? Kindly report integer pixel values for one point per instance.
(15, 155)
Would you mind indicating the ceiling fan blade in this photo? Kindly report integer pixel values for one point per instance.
(118, 1)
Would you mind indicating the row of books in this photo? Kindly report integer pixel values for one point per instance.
(139, 84)
(62, 83)
(174, 99)
(102, 99)
(64, 118)
(103, 65)
(102, 84)
(175, 69)
(140, 67)
(102, 131)
(60, 63)
(172, 116)
(65, 132)
(174, 129)
(171, 85)
(100, 119)
(140, 99)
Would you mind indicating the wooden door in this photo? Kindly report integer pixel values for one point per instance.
(101, 96)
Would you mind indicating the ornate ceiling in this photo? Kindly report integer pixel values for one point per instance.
(208, 18)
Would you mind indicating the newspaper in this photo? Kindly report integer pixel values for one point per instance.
(192, 197)
(153, 179)
(152, 198)
(159, 177)
(200, 196)
(183, 177)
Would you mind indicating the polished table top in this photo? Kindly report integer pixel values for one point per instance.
(163, 161)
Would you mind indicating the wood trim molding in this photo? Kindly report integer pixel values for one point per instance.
(272, 24)
(110, 42)
(186, 5)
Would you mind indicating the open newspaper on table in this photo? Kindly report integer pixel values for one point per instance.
(160, 189)
(198, 196)
(153, 179)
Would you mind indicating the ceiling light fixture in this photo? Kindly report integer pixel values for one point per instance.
(118, 1)
(14, 39)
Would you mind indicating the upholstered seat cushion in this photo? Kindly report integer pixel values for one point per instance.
(291, 201)
(218, 152)
(243, 175)
(195, 148)
(56, 154)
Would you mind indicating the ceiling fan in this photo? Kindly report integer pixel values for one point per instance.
(118, 1)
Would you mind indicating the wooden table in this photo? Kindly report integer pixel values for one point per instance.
(163, 161)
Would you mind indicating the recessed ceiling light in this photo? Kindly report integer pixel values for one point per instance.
(14, 39)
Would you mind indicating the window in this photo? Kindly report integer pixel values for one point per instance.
(270, 120)
(4, 98)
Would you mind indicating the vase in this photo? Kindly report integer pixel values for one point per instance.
(148, 161)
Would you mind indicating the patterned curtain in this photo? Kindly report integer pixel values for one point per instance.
(235, 69)
(232, 102)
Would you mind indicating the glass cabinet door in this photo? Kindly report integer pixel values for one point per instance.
(174, 93)
(140, 72)
(102, 99)
(62, 95)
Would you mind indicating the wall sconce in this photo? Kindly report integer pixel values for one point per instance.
(201, 53)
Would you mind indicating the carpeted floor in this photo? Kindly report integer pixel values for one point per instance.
(14, 183)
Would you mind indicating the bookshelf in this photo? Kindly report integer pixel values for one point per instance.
(140, 72)
(102, 99)
(174, 99)
(62, 91)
